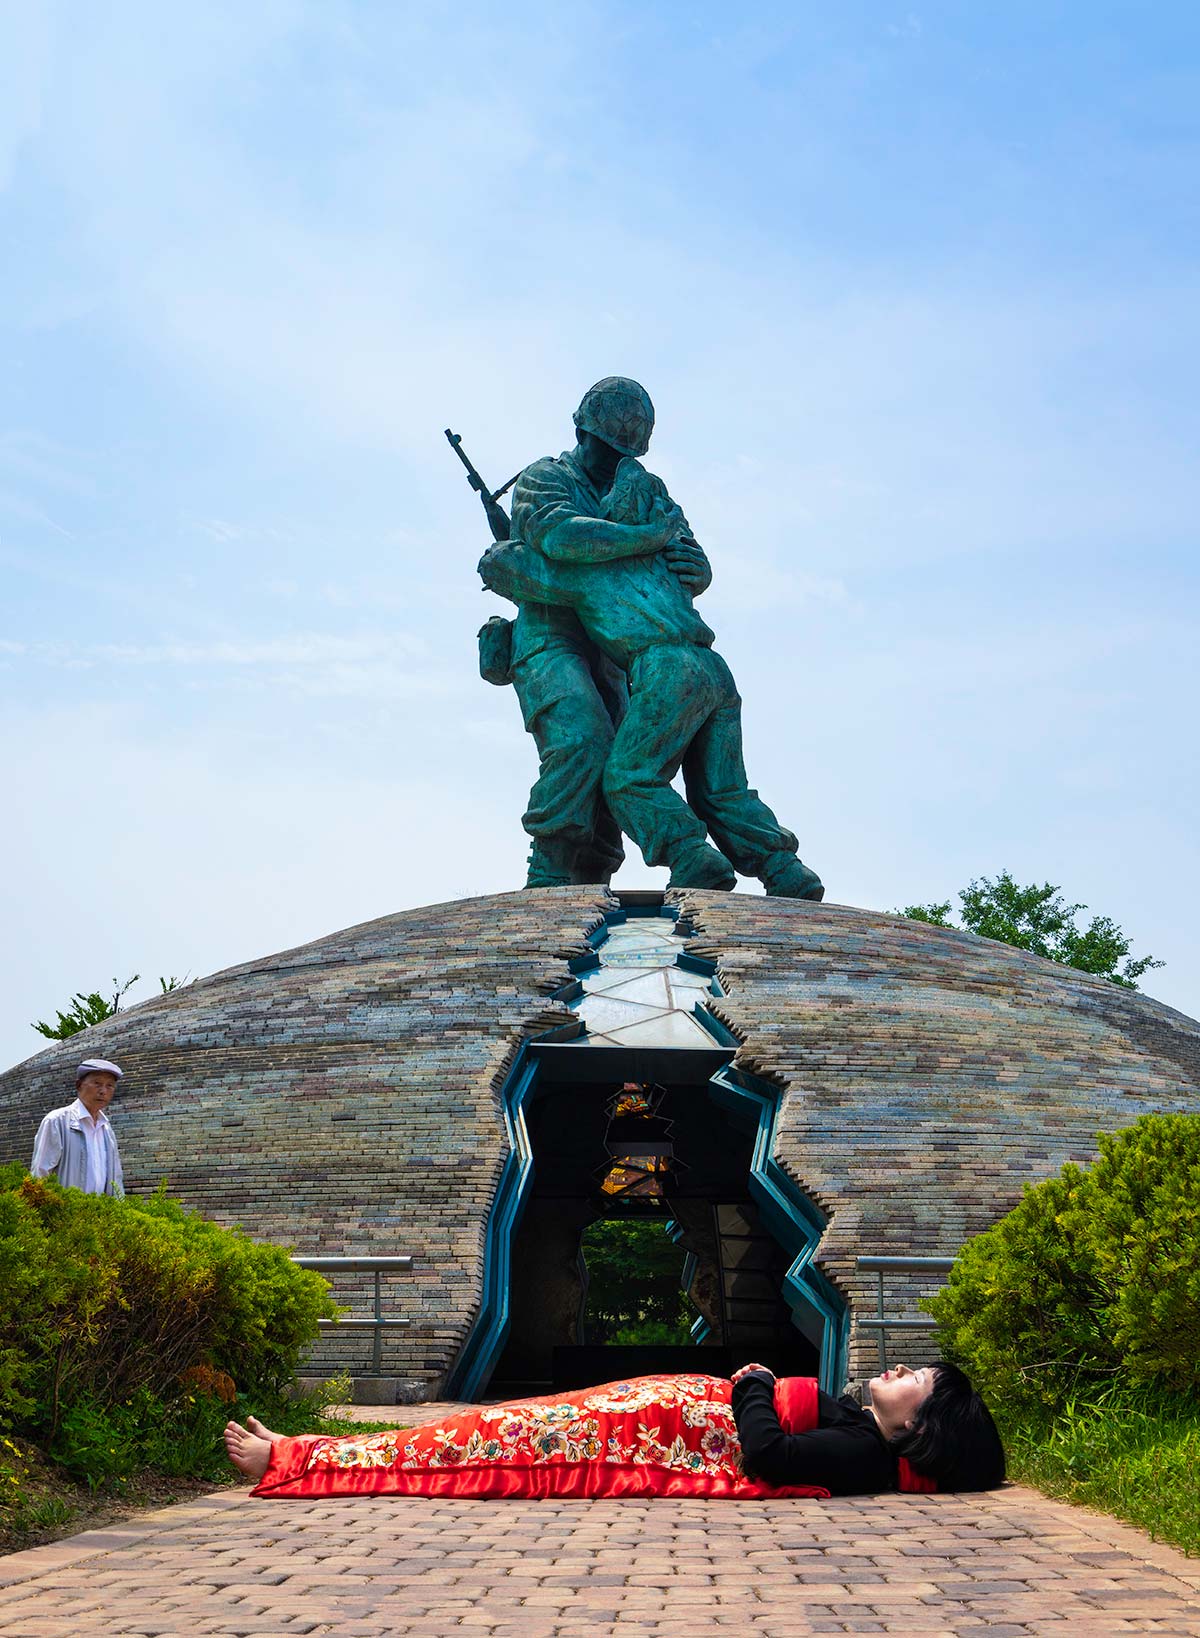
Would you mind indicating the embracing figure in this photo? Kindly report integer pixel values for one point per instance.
(603, 567)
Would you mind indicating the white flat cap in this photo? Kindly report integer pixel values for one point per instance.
(97, 1066)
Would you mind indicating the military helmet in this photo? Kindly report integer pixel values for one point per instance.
(618, 411)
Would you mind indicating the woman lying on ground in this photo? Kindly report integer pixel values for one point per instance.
(749, 1437)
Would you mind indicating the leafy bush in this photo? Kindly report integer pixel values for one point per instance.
(1093, 1277)
(654, 1333)
(634, 1292)
(128, 1323)
(86, 1010)
(103, 1445)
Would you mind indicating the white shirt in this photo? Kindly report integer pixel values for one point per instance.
(93, 1131)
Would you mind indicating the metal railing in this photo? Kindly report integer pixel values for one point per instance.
(883, 1322)
(379, 1266)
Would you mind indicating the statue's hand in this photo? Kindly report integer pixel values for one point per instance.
(497, 570)
(685, 558)
(491, 569)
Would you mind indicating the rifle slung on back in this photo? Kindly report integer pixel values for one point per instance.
(498, 521)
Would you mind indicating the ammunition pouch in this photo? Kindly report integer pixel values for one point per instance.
(495, 651)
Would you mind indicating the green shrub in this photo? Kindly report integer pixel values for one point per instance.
(634, 1271)
(1093, 1277)
(100, 1443)
(111, 1305)
(653, 1333)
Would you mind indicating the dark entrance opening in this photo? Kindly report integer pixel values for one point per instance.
(732, 1266)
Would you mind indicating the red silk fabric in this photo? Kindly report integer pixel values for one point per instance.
(796, 1403)
(652, 1436)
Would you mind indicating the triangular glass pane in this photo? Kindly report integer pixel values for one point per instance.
(609, 978)
(648, 988)
(603, 1012)
(673, 1029)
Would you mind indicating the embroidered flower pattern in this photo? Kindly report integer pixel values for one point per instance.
(681, 1423)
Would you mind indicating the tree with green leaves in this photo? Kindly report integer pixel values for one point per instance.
(94, 1008)
(85, 1010)
(1092, 1278)
(1040, 919)
(634, 1291)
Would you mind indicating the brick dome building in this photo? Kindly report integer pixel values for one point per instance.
(863, 1085)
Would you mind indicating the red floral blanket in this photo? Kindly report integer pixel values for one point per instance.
(653, 1436)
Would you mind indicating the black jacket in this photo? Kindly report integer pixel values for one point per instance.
(845, 1452)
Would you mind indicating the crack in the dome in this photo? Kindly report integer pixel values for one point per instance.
(642, 989)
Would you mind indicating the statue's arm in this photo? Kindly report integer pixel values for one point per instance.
(639, 496)
(514, 570)
(546, 516)
(595, 540)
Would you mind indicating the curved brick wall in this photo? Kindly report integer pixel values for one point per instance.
(930, 1074)
(342, 1097)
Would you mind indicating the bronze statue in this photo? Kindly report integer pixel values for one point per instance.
(617, 676)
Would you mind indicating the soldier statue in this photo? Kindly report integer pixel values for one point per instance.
(616, 673)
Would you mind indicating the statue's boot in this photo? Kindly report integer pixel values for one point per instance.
(551, 863)
(702, 866)
(786, 877)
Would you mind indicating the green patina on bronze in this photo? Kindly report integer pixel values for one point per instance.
(617, 678)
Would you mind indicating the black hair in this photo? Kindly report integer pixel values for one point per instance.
(953, 1438)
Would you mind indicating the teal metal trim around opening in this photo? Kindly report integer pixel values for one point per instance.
(818, 1310)
(795, 1222)
(485, 1341)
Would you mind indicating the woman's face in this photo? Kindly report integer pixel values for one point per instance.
(898, 1394)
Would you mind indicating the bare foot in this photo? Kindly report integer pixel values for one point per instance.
(248, 1453)
(260, 1431)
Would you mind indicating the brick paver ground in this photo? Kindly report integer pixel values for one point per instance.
(1001, 1565)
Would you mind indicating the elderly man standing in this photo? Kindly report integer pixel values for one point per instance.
(78, 1142)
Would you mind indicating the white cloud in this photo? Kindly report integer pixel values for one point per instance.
(910, 27)
(18, 506)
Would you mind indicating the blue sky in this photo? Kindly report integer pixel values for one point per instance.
(915, 294)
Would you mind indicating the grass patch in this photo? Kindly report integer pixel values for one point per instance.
(1132, 1453)
(45, 1503)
